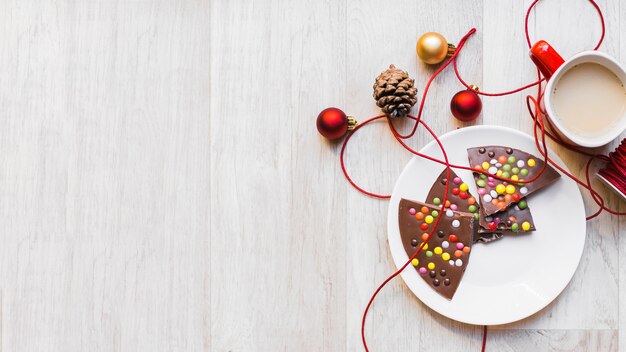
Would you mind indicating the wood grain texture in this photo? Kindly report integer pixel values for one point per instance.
(105, 176)
(163, 187)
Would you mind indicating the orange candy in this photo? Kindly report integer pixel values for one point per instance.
(466, 249)
(447, 204)
(419, 216)
(502, 159)
(501, 205)
(458, 253)
(424, 236)
(494, 201)
(507, 198)
(471, 200)
(424, 210)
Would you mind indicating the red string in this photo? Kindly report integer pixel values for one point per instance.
(615, 170)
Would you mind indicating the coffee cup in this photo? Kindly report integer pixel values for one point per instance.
(584, 98)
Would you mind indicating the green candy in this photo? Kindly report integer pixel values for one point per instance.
(483, 176)
(506, 167)
(436, 201)
(515, 171)
(476, 216)
(472, 208)
(506, 174)
(514, 227)
(430, 254)
(481, 183)
(522, 204)
(524, 172)
(512, 159)
(434, 213)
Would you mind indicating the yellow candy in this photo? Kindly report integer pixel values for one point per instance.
(530, 162)
(525, 226)
(429, 219)
(510, 189)
(445, 256)
(415, 262)
(500, 188)
(431, 266)
(425, 246)
(499, 173)
(514, 178)
(463, 187)
(485, 165)
(438, 250)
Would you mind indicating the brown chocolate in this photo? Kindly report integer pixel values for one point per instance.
(496, 195)
(460, 199)
(450, 252)
(510, 219)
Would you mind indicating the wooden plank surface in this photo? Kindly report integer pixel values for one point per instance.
(163, 186)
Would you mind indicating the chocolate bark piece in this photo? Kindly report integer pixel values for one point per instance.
(485, 236)
(446, 254)
(506, 162)
(459, 198)
(516, 218)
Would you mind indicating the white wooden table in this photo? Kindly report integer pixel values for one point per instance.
(163, 186)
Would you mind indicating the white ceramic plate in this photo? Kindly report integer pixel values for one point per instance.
(516, 276)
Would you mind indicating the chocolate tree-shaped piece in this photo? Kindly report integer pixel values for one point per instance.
(506, 162)
(443, 259)
(459, 198)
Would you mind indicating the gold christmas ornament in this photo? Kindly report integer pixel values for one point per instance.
(432, 48)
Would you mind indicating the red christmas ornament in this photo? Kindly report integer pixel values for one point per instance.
(466, 105)
(333, 123)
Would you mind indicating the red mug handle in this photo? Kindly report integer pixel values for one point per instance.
(545, 58)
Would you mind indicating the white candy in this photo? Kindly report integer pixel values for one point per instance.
(456, 223)
(445, 244)
(492, 170)
(459, 262)
(520, 163)
(493, 194)
(523, 190)
(498, 165)
(449, 213)
(451, 262)
(487, 198)
(493, 161)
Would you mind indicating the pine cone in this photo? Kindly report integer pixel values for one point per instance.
(394, 92)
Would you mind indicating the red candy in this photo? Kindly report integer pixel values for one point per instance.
(492, 226)
(463, 195)
(516, 197)
(424, 226)
(453, 238)
(455, 191)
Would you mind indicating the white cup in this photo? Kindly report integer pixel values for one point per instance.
(553, 67)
